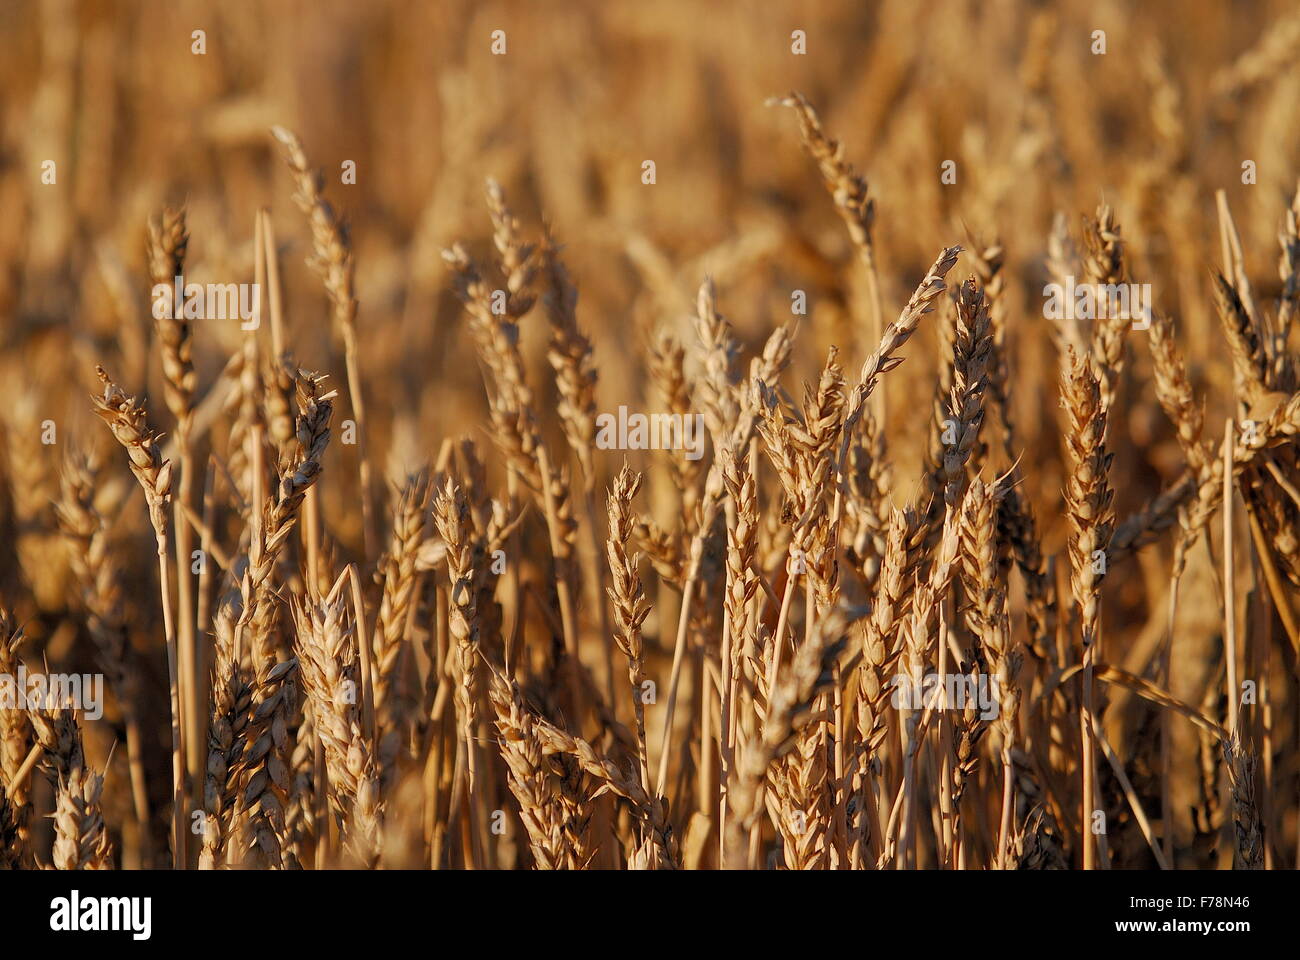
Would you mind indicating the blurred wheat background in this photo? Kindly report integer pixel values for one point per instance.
(500, 718)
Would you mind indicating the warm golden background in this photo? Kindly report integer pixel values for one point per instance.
(1037, 125)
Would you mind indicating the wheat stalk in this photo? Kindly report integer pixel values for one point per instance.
(333, 261)
(325, 646)
(1088, 499)
(126, 419)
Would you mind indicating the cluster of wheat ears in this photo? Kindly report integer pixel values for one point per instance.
(522, 664)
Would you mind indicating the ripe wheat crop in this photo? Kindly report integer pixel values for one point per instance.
(650, 436)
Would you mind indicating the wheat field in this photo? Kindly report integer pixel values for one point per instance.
(749, 436)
